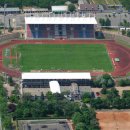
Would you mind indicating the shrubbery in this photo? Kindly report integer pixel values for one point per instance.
(124, 82)
(112, 100)
(123, 32)
(10, 29)
(104, 81)
(104, 22)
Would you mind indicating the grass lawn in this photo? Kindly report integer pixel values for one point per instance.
(63, 57)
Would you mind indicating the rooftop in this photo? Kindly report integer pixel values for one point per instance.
(59, 8)
(56, 75)
(85, 7)
(60, 20)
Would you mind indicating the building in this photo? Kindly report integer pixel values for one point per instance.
(82, 2)
(88, 8)
(35, 10)
(59, 8)
(10, 10)
(60, 26)
(45, 124)
(35, 83)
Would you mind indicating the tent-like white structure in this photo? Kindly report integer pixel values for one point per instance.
(54, 87)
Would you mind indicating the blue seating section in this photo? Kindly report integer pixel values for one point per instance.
(51, 31)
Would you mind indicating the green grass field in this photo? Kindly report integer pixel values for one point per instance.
(62, 57)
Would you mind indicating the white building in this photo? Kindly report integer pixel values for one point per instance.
(35, 83)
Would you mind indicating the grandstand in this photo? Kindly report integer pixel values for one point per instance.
(56, 82)
(36, 80)
(62, 26)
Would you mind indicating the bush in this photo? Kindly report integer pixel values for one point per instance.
(104, 22)
(71, 7)
(124, 82)
(128, 33)
(10, 29)
(104, 90)
(104, 80)
(123, 32)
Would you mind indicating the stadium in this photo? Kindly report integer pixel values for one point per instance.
(63, 43)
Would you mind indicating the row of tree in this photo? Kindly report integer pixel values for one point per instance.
(54, 104)
(4, 115)
(111, 99)
(104, 80)
(126, 4)
(124, 82)
(36, 3)
(105, 22)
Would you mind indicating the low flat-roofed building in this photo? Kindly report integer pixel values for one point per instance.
(47, 124)
(88, 7)
(10, 10)
(35, 10)
(59, 8)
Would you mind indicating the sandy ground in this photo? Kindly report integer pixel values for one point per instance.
(112, 120)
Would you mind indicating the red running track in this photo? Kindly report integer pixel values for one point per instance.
(114, 50)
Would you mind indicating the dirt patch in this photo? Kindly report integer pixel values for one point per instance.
(114, 120)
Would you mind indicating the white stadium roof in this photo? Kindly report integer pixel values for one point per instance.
(55, 75)
(60, 20)
(54, 87)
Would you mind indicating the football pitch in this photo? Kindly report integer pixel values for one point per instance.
(61, 57)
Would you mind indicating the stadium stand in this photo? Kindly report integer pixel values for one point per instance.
(36, 80)
(60, 27)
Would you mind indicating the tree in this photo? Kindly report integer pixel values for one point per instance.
(108, 22)
(27, 96)
(49, 95)
(102, 22)
(86, 97)
(126, 94)
(14, 98)
(10, 29)
(113, 93)
(42, 96)
(26, 112)
(77, 117)
(124, 82)
(71, 7)
(104, 80)
(123, 32)
(81, 126)
(128, 33)
(10, 81)
(126, 3)
(7, 122)
(104, 90)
